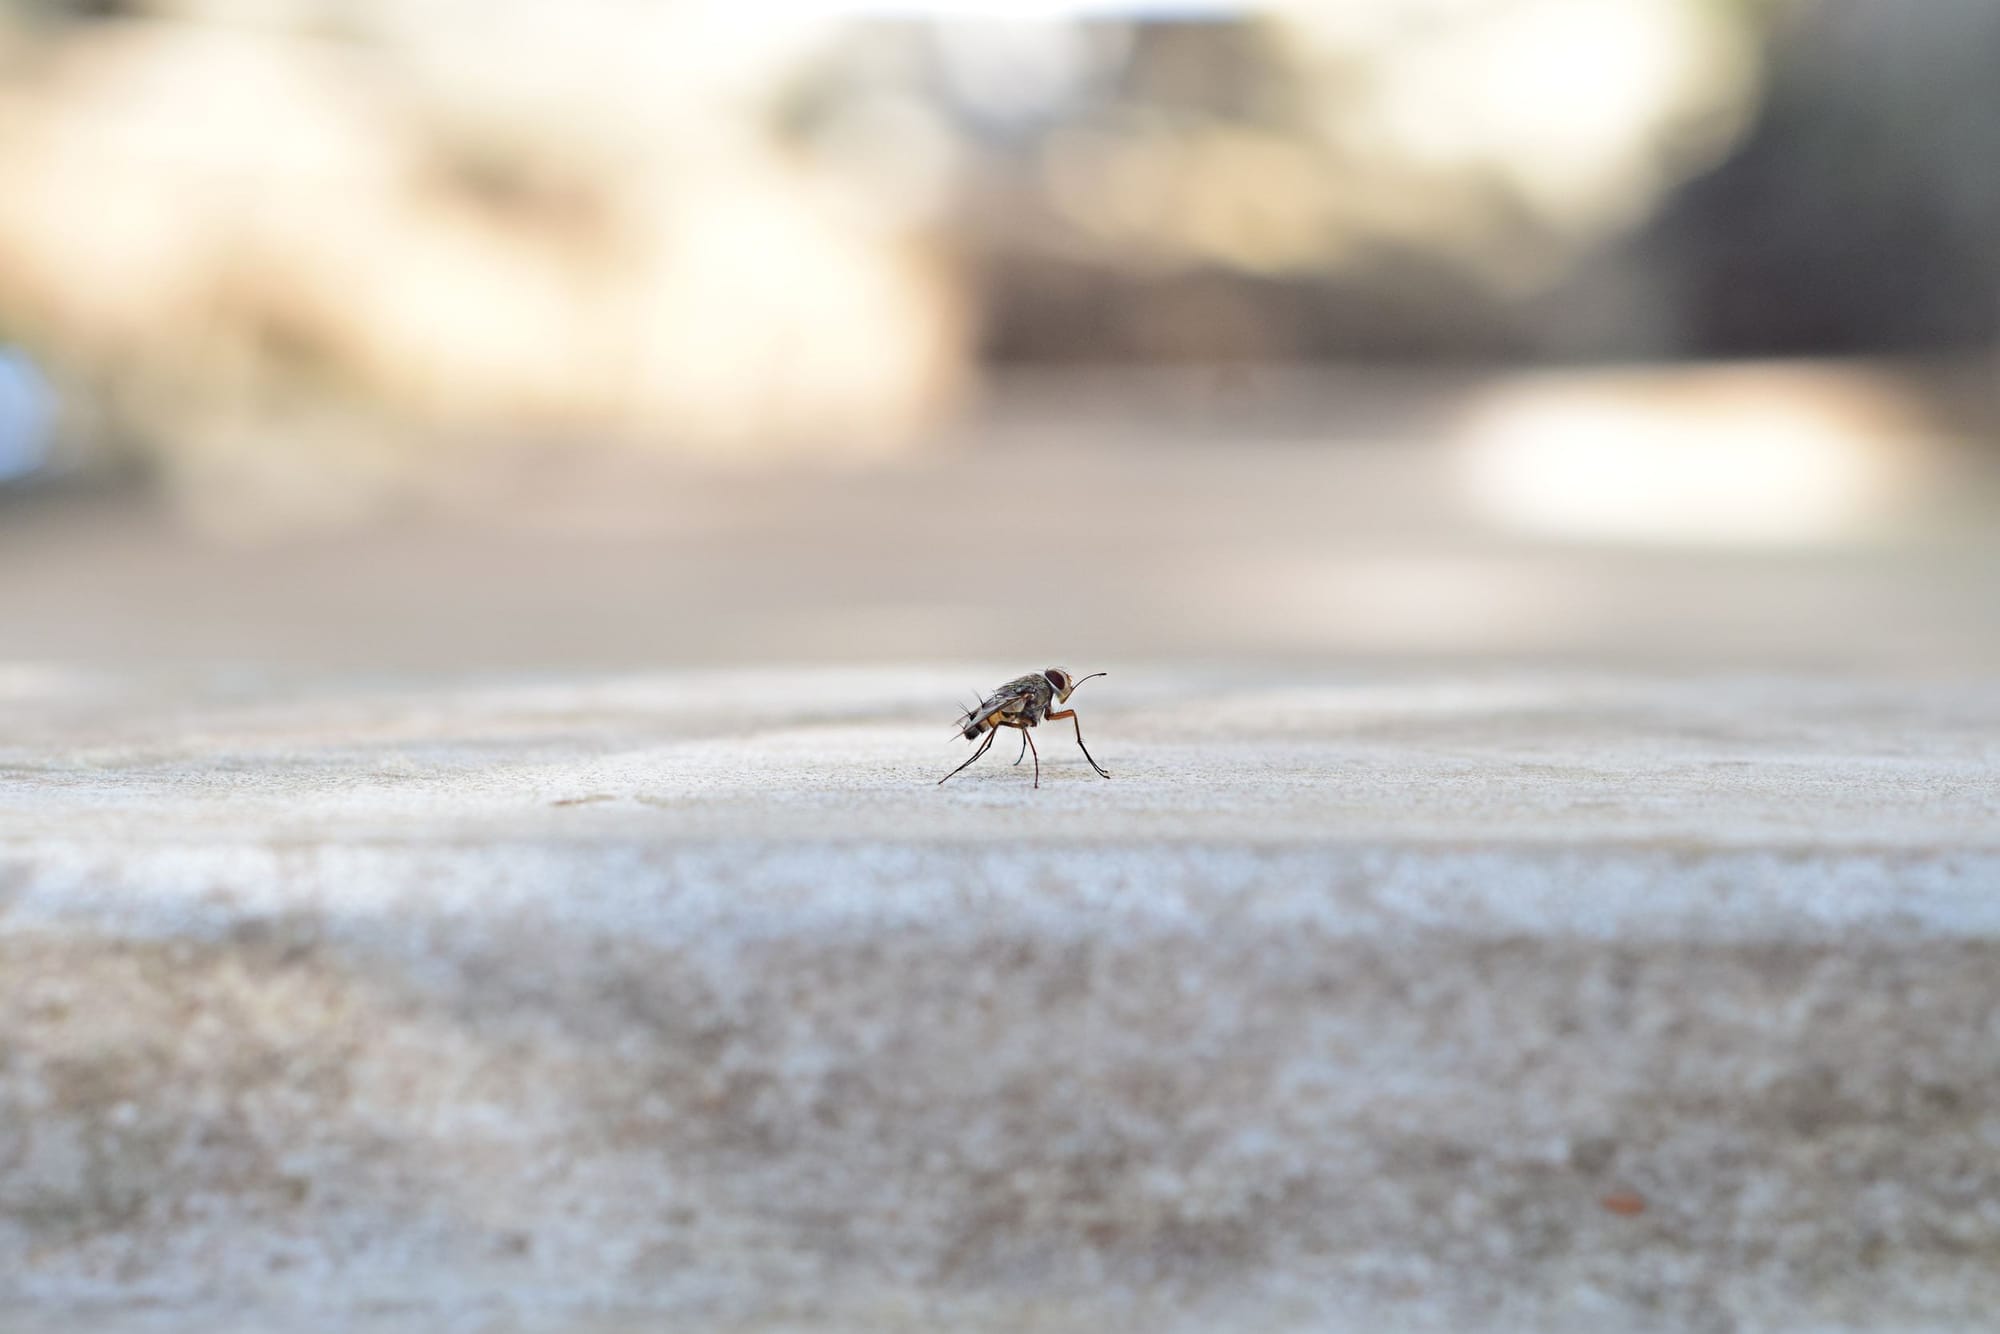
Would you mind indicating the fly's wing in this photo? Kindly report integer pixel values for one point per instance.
(1021, 697)
(1017, 699)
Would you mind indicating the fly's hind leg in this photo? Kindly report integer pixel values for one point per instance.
(1070, 714)
(984, 746)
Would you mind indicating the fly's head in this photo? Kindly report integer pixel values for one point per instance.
(1063, 683)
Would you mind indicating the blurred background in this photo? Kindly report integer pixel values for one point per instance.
(424, 334)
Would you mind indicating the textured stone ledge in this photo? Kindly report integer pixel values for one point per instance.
(589, 1006)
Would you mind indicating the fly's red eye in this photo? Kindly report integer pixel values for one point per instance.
(1058, 680)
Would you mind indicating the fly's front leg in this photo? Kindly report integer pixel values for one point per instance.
(1070, 714)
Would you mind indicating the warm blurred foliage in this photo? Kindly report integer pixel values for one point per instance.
(447, 218)
(280, 248)
(1502, 180)
(1346, 179)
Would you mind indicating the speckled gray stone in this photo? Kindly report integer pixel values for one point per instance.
(689, 1001)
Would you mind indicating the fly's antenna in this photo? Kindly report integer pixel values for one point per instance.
(1093, 676)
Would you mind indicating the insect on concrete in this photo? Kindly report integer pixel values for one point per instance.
(1021, 703)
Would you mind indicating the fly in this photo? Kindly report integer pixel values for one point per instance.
(1022, 703)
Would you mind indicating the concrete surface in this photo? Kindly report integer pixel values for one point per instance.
(1449, 1000)
(1315, 518)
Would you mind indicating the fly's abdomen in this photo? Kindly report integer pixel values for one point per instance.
(990, 714)
(980, 721)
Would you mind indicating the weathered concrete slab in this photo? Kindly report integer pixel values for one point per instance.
(597, 1004)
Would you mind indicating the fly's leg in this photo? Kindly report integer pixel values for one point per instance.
(984, 746)
(1028, 744)
(1070, 714)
